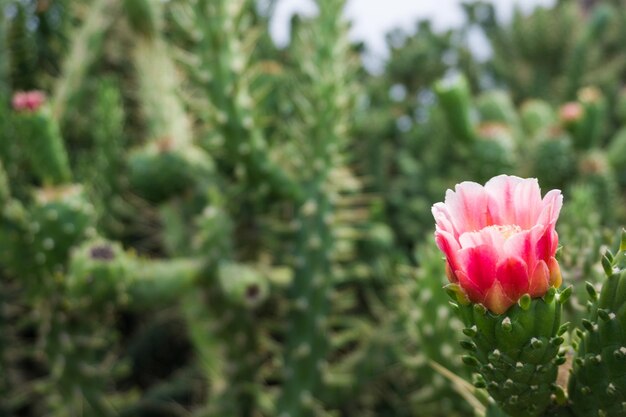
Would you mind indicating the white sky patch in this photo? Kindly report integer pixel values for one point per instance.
(372, 19)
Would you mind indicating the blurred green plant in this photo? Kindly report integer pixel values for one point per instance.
(197, 222)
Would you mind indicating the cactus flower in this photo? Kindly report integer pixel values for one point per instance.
(28, 100)
(499, 240)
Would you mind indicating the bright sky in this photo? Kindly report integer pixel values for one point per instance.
(372, 19)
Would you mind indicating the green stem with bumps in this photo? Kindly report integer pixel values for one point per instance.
(596, 385)
(322, 45)
(516, 354)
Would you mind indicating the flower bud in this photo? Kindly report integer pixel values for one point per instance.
(28, 101)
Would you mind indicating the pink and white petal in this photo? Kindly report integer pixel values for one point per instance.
(488, 236)
(512, 274)
(449, 246)
(539, 280)
(496, 300)
(443, 219)
(468, 207)
(547, 244)
(501, 191)
(522, 245)
(555, 273)
(479, 263)
(527, 205)
(550, 208)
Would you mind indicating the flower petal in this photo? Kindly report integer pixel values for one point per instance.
(468, 207)
(512, 274)
(443, 218)
(496, 300)
(479, 265)
(555, 273)
(527, 203)
(471, 289)
(449, 246)
(551, 207)
(500, 191)
(450, 274)
(539, 281)
(522, 245)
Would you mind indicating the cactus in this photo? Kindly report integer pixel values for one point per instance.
(21, 52)
(536, 116)
(159, 170)
(597, 379)
(97, 273)
(85, 48)
(554, 160)
(588, 119)
(226, 73)
(59, 219)
(306, 346)
(493, 151)
(256, 213)
(44, 145)
(497, 106)
(616, 154)
(516, 354)
(455, 100)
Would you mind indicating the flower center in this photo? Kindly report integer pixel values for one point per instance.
(507, 230)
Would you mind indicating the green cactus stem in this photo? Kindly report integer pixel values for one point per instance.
(326, 91)
(455, 98)
(497, 106)
(242, 285)
(225, 69)
(590, 130)
(44, 146)
(86, 45)
(597, 385)
(553, 159)
(161, 170)
(158, 78)
(617, 156)
(59, 219)
(593, 31)
(98, 273)
(21, 51)
(161, 282)
(537, 116)
(493, 151)
(515, 354)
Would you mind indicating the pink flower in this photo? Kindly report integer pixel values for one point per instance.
(499, 240)
(28, 100)
(571, 112)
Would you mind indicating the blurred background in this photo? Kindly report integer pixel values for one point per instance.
(222, 207)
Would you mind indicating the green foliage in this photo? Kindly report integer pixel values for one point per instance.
(198, 222)
(595, 387)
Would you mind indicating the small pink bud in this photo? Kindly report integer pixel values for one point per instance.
(500, 239)
(28, 100)
(571, 112)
